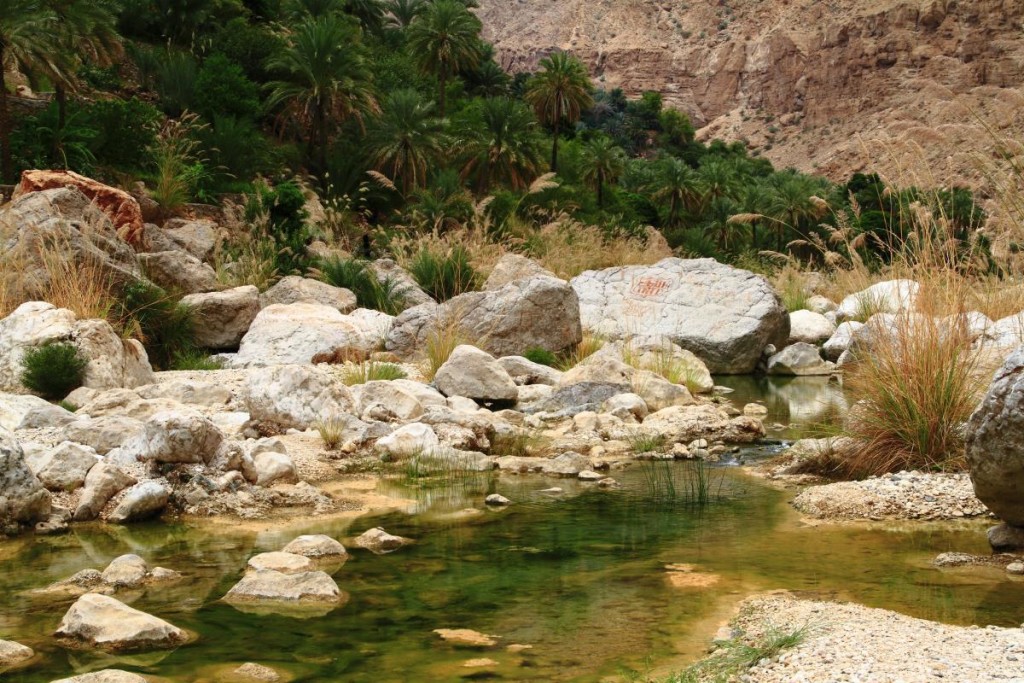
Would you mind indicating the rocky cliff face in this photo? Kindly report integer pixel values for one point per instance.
(831, 86)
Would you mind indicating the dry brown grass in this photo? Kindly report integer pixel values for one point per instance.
(588, 346)
(568, 248)
(444, 337)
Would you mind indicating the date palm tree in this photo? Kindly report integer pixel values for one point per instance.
(401, 13)
(323, 80)
(504, 148)
(445, 39)
(559, 93)
(84, 31)
(26, 40)
(678, 184)
(603, 163)
(793, 204)
(406, 140)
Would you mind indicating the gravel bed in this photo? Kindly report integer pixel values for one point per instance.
(852, 643)
(905, 495)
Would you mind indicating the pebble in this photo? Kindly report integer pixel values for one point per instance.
(497, 499)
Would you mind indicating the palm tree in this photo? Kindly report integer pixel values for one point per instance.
(504, 148)
(560, 92)
(793, 203)
(370, 14)
(719, 178)
(406, 139)
(401, 13)
(755, 203)
(298, 10)
(324, 79)
(85, 31)
(26, 38)
(445, 40)
(718, 223)
(678, 184)
(603, 162)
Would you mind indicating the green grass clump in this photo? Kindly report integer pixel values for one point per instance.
(357, 277)
(195, 360)
(166, 327)
(361, 373)
(53, 370)
(331, 431)
(736, 656)
(444, 276)
(643, 442)
(541, 356)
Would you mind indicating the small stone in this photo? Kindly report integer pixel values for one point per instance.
(497, 499)
(466, 637)
(552, 490)
(315, 545)
(480, 663)
(590, 475)
(1015, 568)
(126, 571)
(380, 542)
(257, 672)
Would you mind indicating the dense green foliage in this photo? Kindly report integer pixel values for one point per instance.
(165, 326)
(53, 370)
(399, 113)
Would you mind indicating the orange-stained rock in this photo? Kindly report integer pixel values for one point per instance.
(122, 209)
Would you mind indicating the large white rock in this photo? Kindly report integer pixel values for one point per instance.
(294, 333)
(683, 424)
(841, 339)
(223, 318)
(295, 395)
(23, 500)
(271, 468)
(538, 312)
(293, 289)
(1008, 332)
(512, 267)
(12, 653)
(995, 443)
(103, 622)
(390, 397)
(179, 271)
(891, 296)
(24, 411)
(64, 467)
(409, 440)
(141, 501)
(112, 361)
(178, 437)
(126, 571)
(198, 238)
(809, 327)
(475, 374)
(284, 562)
(104, 433)
(104, 481)
(724, 315)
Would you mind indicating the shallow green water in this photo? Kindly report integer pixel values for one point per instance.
(580, 577)
(801, 404)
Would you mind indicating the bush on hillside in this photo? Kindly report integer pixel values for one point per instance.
(53, 370)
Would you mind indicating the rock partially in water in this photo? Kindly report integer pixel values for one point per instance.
(284, 562)
(105, 676)
(104, 481)
(126, 571)
(267, 585)
(497, 500)
(379, 541)
(12, 653)
(315, 545)
(1006, 538)
(464, 637)
(410, 439)
(810, 327)
(101, 621)
(141, 501)
(567, 465)
(256, 672)
(799, 359)
(995, 443)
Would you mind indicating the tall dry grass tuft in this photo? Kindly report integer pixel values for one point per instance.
(445, 336)
(588, 346)
(567, 248)
(81, 285)
(913, 392)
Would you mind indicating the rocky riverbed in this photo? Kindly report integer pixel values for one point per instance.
(846, 642)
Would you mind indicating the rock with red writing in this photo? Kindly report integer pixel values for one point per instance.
(724, 315)
(120, 207)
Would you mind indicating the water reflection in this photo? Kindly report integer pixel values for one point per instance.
(792, 401)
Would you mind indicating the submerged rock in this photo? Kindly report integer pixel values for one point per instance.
(497, 500)
(12, 653)
(105, 676)
(466, 637)
(101, 621)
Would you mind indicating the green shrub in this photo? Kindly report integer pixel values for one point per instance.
(223, 89)
(444, 276)
(541, 356)
(176, 81)
(195, 359)
(236, 149)
(283, 209)
(53, 370)
(125, 130)
(164, 326)
(356, 276)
